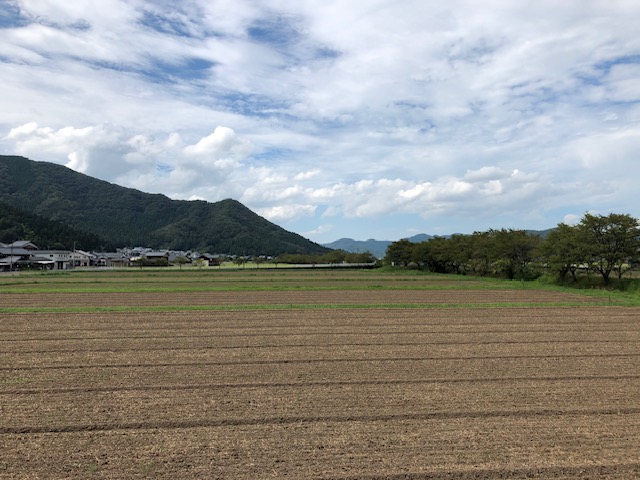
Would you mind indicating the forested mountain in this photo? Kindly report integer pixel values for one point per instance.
(129, 217)
(16, 224)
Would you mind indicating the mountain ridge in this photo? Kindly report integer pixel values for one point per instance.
(128, 217)
(378, 248)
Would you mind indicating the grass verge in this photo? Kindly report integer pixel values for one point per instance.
(390, 306)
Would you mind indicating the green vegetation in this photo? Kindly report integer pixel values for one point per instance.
(138, 282)
(597, 246)
(289, 306)
(333, 257)
(128, 217)
(16, 224)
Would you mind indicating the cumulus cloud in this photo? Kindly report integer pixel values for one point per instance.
(442, 114)
(140, 161)
(222, 139)
(95, 150)
(287, 212)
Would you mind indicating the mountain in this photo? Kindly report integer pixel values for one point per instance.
(541, 233)
(128, 217)
(378, 248)
(16, 224)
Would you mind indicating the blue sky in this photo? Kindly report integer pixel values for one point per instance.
(363, 119)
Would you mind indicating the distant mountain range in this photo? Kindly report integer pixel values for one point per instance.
(101, 212)
(378, 248)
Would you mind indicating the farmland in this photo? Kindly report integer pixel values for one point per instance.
(313, 374)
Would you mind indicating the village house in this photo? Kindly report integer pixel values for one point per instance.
(23, 255)
(112, 260)
(66, 259)
(13, 257)
(208, 260)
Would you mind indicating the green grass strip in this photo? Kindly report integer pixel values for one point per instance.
(253, 288)
(413, 306)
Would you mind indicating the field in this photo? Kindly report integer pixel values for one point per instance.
(324, 374)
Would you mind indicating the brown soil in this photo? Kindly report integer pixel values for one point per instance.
(449, 393)
(289, 297)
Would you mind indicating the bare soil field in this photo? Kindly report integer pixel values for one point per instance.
(440, 390)
(288, 297)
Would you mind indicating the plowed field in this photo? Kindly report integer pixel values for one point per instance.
(325, 384)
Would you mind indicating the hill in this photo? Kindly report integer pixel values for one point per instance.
(129, 217)
(16, 224)
(377, 248)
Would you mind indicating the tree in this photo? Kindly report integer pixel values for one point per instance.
(481, 254)
(514, 249)
(434, 254)
(361, 257)
(181, 260)
(199, 263)
(460, 252)
(400, 252)
(563, 251)
(612, 242)
(335, 256)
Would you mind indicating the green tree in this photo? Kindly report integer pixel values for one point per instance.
(563, 251)
(400, 252)
(481, 256)
(514, 250)
(612, 242)
(199, 263)
(460, 253)
(334, 257)
(434, 254)
(181, 260)
(363, 257)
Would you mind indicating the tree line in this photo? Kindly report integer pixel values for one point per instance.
(604, 245)
(333, 257)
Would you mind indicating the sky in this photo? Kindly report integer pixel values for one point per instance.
(342, 118)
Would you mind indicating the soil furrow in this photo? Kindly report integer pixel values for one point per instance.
(215, 386)
(184, 424)
(584, 471)
(307, 333)
(312, 360)
(334, 344)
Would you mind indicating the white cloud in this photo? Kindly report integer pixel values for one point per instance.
(286, 212)
(357, 110)
(571, 218)
(320, 230)
(623, 83)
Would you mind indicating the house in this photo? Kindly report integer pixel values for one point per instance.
(208, 260)
(26, 244)
(62, 259)
(111, 259)
(159, 255)
(13, 258)
(152, 259)
(41, 263)
(81, 258)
